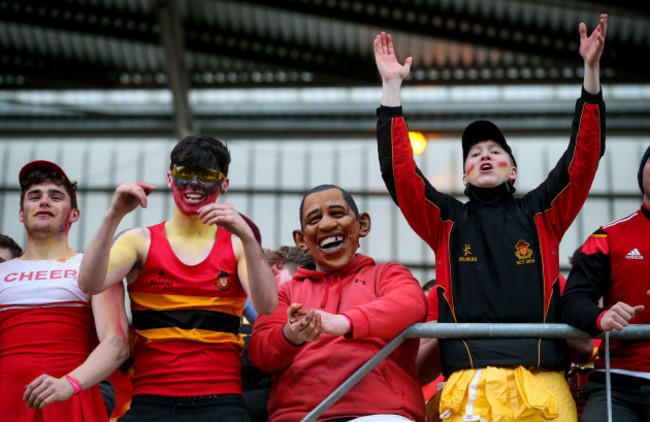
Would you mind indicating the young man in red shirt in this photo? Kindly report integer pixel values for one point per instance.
(188, 279)
(614, 263)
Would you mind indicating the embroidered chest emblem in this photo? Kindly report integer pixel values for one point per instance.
(522, 250)
(467, 250)
(223, 281)
(161, 281)
(467, 257)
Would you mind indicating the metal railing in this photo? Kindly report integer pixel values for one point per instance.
(489, 330)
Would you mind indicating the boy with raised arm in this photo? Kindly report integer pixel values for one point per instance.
(188, 279)
(497, 255)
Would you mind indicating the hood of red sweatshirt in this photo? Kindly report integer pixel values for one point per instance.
(314, 276)
(353, 266)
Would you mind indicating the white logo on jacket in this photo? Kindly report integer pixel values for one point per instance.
(634, 254)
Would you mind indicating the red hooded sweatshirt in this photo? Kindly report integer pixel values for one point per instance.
(381, 300)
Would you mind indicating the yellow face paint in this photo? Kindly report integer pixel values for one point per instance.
(471, 171)
(503, 167)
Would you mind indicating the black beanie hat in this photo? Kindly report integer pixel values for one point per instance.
(643, 161)
(482, 130)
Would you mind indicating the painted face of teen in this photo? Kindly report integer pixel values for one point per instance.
(194, 187)
(331, 230)
(46, 209)
(488, 165)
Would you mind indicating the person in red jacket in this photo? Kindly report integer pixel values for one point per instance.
(614, 263)
(334, 317)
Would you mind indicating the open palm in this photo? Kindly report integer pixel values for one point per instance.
(591, 47)
(387, 63)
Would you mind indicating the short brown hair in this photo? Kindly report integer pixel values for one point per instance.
(289, 256)
(38, 176)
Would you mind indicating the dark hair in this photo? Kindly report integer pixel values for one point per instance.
(346, 196)
(201, 150)
(644, 159)
(43, 176)
(574, 257)
(289, 256)
(9, 243)
(429, 284)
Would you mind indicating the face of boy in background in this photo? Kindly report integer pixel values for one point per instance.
(5, 254)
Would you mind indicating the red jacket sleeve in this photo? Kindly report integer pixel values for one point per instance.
(588, 280)
(423, 206)
(400, 303)
(269, 349)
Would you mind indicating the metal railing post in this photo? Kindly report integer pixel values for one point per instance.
(608, 379)
(356, 377)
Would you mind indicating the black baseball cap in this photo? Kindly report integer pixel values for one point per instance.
(483, 130)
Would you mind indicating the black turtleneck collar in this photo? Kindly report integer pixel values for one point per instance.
(496, 195)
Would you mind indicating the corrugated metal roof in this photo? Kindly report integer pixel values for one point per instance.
(116, 43)
(120, 44)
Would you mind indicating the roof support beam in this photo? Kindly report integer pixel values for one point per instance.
(171, 37)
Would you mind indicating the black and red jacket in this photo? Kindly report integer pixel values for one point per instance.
(497, 257)
(614, 263)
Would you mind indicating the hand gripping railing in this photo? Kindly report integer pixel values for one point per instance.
(466, 330)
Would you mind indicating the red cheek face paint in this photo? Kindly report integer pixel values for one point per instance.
(471, 168)
(66, 226)
(502, 164)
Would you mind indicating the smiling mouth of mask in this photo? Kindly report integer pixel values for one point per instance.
(331, 244)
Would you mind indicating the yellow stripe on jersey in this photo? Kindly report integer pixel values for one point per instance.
(158, 302)
(194, 334)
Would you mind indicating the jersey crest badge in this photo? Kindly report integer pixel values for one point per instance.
(223, 281)
(522, 250)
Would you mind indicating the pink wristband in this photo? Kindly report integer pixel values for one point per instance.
(76, 385)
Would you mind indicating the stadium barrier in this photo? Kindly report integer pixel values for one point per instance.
(482, 330)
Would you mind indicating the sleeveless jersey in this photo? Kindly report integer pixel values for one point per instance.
(186, 320)
(46, 327)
